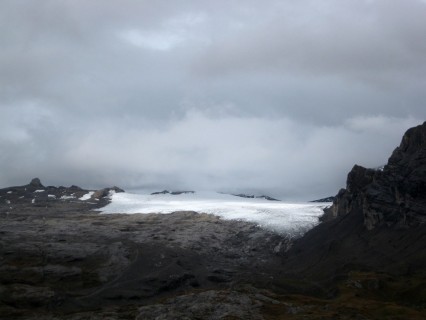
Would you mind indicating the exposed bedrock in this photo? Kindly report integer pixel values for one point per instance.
(394, 196)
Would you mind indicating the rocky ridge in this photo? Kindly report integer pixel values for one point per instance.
(173, 193)
(37, 195)
(252, 196)
(392, 196)
(375, 227)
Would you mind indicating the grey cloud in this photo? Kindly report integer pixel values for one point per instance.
(356, 39)
(222, 153)
(283, 97)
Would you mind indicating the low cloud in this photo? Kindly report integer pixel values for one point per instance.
(281, 98)
(225, 153)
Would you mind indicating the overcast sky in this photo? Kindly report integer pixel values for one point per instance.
(280, 96)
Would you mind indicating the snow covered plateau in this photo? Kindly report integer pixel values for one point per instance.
(277, 216)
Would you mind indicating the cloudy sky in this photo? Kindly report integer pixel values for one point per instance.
(280, 96)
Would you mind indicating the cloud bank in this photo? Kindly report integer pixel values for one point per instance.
(281, 98)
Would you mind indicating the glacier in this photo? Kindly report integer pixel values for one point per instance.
(280, 217)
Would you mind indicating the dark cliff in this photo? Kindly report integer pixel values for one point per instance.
(394, 196)
(377, 224)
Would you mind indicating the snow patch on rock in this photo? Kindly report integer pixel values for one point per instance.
(87, 196)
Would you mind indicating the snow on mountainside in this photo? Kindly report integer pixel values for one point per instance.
(281, 217)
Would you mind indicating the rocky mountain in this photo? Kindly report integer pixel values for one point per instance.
(393, 196)
(375, 230)
(36, 194)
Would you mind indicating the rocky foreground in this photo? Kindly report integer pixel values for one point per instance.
(61, 259)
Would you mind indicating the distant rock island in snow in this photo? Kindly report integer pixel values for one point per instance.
(250, 196)
(174, 193)
(241, 195)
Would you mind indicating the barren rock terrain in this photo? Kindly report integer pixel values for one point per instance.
(60, 256)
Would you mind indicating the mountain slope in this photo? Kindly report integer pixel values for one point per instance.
(394, 196)
(377, 224)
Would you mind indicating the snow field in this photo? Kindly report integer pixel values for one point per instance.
(277, 216)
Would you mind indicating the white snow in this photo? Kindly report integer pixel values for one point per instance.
(65, 197)
(33, 201)
(51, 196)
(9, 192)
(277, 216)
(87, 196)
(41, 190)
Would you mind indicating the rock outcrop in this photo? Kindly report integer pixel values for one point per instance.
(393, 196)
(375, 225)
(252, 196)
(173, 193)
(105, 192)
(35, 194)
(160, 192)
(36, 183)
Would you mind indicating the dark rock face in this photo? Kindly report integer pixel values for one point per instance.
(394, 196)
(375, 226)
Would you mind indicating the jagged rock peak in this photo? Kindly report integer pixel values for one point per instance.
(411, 150)
(413, 139)
(36, 183)
(358, 178)
(395, 196)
